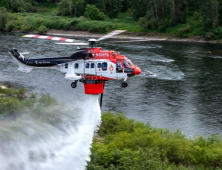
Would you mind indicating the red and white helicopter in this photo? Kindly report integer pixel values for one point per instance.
(91, 66)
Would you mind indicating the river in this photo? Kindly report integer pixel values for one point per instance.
(184, 92)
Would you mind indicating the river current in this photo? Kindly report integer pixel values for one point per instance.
(180, 86)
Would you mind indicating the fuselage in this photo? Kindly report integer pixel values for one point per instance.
(91, 66)
(92, 63)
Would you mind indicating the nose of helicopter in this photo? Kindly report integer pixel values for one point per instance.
(137, 70)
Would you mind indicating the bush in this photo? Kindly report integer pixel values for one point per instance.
(11, 100)
(147, 22)
(42, 29)
(126, 144)
(217, 33)
(208, 35)
(10, 26)
(94, 13)
(14, 101)
(25, 28)
(17, 23)
(184, 31)
(95, 26)
(144, 159)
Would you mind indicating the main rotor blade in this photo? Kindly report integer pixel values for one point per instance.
(147, 39)
(73, 43)
(115, 32)
(49, 38)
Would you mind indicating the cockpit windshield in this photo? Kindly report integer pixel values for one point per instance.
(127, 63)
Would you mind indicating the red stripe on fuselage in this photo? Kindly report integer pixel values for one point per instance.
(90, 77)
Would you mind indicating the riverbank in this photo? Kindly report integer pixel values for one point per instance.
(124, 144)
(132, 36)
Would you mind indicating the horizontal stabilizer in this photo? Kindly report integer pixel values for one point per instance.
(24, 68)
(71, 74)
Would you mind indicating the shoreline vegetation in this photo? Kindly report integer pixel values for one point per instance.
(126, 144)
(160, 20)
(14, 102)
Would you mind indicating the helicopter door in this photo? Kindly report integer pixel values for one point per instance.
(120, 71)
(119, 67)
(99, 68)
(90, 68)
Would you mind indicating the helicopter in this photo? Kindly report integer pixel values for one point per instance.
(91, 65)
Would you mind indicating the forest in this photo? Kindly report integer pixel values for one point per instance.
(180, 17)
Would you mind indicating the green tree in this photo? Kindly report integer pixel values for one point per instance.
(220, 12)
(210, 12)
(139, 8)
(111, 8)
(19, 5)
(3, 18)
(47, 1)
(94, 13)
(159, 13)
(73, 8)
(179, 11)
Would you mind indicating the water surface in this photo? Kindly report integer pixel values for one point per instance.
(184, 91)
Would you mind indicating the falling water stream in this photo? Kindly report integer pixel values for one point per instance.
(53, 141)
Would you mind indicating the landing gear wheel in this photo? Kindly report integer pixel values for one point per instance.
(124, 84)
(74, 84)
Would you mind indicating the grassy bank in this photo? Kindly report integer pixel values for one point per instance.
(41, 22)
(124, 144)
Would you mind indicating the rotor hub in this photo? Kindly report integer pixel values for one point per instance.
(92, 42)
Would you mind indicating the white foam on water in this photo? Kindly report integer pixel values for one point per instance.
(58, 140)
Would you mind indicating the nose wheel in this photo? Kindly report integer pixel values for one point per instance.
(124, 84)
(74, 84)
